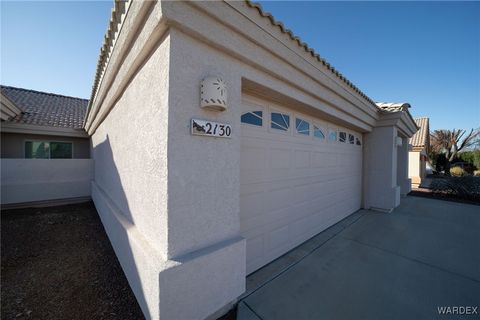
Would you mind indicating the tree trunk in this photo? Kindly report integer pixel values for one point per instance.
(450, 158)
(447, 167)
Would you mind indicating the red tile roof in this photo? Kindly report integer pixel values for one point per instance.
(46, 109)
(420, 139)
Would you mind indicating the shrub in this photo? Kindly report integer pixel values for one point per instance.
(476, 159)
(457, 172)
(476, 173)
(439, 161)
(472, 157)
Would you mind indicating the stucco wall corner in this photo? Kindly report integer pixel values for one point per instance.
(199, 284)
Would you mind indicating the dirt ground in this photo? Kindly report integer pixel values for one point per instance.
(57, 263)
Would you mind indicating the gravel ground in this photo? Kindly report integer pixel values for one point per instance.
(57, 263)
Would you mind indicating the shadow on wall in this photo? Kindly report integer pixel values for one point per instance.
(119, 225)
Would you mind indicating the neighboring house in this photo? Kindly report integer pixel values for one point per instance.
(221, 141)
(40, 125)
(418, 155)
(45, 152)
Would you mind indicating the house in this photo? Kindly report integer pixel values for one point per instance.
(44, 126)
(221, 141)
(418, 155)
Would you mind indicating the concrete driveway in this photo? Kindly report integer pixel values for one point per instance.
(402, 265)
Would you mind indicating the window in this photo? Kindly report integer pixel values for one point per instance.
(351, 139)
(358, 142)
(342, 137)
(332, 135)
(318, 133)
(37, 150)
(60, 150)
(254, 118)
(303, 127)
(280, 121)
(48, 150)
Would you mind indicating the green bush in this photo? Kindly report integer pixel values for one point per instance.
(439, 161)
(476, 159)
(472, 157)
(457, 172)
(476, 173)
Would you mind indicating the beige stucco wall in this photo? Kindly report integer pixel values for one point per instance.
(130, 152)
(414, 164)
(33, 180)
(414, 167)
(169, 200)
(381, 190)
(403, 181)
(13, 144)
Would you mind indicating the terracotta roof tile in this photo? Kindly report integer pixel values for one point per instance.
(420, 138)
(393, 106)
(121, 7)
(46, 109)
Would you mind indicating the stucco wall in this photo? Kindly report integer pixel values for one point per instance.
(169, 200)
(413, 164)
(29, 180)
(13, 144)
(403, 180)
(416, 167)
(380, 169)
(130, 152)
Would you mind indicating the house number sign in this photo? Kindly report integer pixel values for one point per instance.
(211, 129)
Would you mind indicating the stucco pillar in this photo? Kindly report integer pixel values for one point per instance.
(381, 191)
(402, 168)
(205, 252)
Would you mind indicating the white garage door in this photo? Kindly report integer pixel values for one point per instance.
(299, 175)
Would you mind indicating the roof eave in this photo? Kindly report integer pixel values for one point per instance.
(403, 120)
(8, 107)
(23, 128)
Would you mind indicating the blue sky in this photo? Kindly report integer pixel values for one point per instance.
(52, 46)
(425, 53)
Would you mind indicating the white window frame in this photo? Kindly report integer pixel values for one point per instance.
(359, 138)
(323, 128)
(253, 113)
(305, 119)
(248, 105)
(348, 138)
(336, 130)
(276, 109)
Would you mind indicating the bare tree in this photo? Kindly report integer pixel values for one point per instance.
(451, 142)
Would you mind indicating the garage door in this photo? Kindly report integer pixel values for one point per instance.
(298, 175)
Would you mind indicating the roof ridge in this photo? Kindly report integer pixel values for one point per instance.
(307, 48)
(42, 92)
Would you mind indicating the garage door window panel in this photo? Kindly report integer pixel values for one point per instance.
(302, 127)
(254, 118)
(342, 136)
(280, 121)
(351, 138)
(318, 133)
(332, 135)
